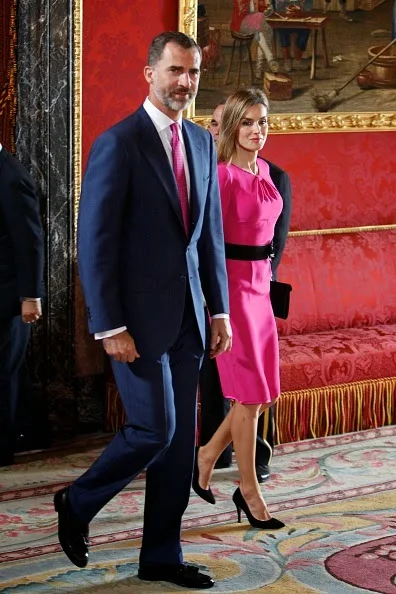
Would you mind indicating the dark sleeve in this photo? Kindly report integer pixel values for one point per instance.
(283, 186)
(103, 196)
(20, 207)
(212, 265)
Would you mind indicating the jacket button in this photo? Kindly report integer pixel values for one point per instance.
(182, 278)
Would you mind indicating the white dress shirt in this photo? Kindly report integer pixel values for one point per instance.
(162, 124)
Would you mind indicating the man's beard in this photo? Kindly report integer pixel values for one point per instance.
(167, 99)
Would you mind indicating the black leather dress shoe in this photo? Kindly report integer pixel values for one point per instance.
(262, 472)
(187, 576)
(73, 534)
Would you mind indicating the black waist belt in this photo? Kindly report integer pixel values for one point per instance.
(234, 251)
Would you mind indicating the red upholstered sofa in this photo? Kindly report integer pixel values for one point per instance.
(338, 346)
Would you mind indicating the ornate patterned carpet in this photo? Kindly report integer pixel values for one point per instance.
(336, 495)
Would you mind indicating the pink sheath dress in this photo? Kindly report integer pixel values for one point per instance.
(251, 205)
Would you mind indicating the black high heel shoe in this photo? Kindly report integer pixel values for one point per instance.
(205, 494)
(240, 503)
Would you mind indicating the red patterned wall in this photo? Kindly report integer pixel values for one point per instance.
(339, 179)
(342, 179)
(116, 36)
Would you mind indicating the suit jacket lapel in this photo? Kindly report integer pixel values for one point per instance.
(153, 150)
(194, 158)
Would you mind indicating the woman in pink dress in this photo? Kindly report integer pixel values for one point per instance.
(249, 374)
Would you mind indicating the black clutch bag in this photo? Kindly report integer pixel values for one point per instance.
(280, 298)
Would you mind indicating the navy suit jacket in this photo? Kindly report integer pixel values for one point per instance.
(282, 183)
(135, 260)
(21, 237)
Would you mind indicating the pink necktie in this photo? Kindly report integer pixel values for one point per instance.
(180, 176)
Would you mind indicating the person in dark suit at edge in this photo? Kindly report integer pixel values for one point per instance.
(213, 407)
(150, 243)
(21, 289)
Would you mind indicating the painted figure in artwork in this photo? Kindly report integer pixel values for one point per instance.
(299, 37)
(249, 17)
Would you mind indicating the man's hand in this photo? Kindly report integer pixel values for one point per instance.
(221, 339)
(30, 311)
(121, 347)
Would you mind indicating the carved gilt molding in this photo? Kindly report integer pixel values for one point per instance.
(340, 230)
(77, 104)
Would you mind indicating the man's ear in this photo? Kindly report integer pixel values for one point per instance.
(148, 74)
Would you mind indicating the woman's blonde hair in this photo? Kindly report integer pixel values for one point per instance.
(234, 110)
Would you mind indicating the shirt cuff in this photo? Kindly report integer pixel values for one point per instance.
(222, 315)
(109, 333)
(35, 299)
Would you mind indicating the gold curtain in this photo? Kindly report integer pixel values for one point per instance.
(8, 35)
(331, 410)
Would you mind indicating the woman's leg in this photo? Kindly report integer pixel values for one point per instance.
(239, 427)
(243, 430)
(209, 453)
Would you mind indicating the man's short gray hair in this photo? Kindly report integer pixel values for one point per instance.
(160, 41)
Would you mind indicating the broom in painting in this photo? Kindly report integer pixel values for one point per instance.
(322, 100)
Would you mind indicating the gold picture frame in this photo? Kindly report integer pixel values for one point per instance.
(294, 122)
(77, 107)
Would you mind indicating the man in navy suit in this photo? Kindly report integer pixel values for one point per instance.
(213, 406)
(21, 287)
(144, 262)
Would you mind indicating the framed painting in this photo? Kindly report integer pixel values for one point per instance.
(326, 65)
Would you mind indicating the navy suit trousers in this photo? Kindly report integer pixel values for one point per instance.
(14, 337)
(159, 395)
